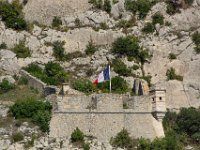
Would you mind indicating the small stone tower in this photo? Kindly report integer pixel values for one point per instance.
(157, 97)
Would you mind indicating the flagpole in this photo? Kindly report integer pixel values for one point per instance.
(110, 79)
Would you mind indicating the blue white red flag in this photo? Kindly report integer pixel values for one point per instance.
(103, 76)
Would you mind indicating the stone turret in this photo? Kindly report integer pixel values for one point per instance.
(157, 97)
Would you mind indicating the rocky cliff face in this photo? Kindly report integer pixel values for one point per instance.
(175, 39)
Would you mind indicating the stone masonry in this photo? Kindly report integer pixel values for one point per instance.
(103, 116)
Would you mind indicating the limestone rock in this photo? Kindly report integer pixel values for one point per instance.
(8, 62)
(43, 11)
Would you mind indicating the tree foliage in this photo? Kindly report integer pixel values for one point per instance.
(38, 111)
(12, 15)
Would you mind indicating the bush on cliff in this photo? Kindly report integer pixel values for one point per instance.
(196, 40)
(171, 75)
(12, 15)
(185, 124)
(6, 86)
(120, 68)
(53, 73)
(58, 50)
(21, 50)
(77, 135)
(84, 85)
(119, 85)
(129, 46)
(142, 7)
(122, 139)
(38, 111)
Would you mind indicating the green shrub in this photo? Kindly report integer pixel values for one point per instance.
(58, 50)
(57, 22)
(196, 137)
(148, 28)
(120, 68)
(78, 23)
(16, 137)
(100, 4)
(119, 85)
(77, 135)
(22, 81)
(3, 46)
(172, 7)
(125, 24)
(38, 111)
(6, 86)
(107, 6)
(53, 73)
(196, 38)
(42, 119)
(91, 48)
(86, 146)
(188, 120)
(144, 144)
(157, 19)
(169, 121)
(171, 75)
(104, 26)
(140, 6)
(122, 139)
(84, 85)
(21, 50)
(12, 15)
(126, 46)
(172, 56)
(158, 144)
(135, 67)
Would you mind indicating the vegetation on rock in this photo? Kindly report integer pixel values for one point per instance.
(6, 86)
(21, 50)
(52, 74)
(84, 85)
(196, 40)
(142, 7)
(58, 50)
(120, 68)
(38, 111)
(12, 15)
(3, 46)
(171, 75)
(91, 48)
(57, 22)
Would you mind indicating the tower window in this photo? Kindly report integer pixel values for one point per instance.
(153, 99)
(160, 98)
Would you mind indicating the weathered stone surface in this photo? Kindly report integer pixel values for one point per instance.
(8, 62)
(43, 11)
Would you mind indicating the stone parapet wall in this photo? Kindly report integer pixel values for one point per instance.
(33, 81)
(106, 118)
(37, 84)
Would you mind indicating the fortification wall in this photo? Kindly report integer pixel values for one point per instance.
(33, 81)
(106, 119)
(37, 84)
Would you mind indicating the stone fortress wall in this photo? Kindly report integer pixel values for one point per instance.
(37, 84)
(103, 116)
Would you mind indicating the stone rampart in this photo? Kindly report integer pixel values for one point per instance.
(37, 84)
(106, 117)
(33, 81)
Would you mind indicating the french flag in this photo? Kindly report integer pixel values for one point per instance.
(103, 76)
